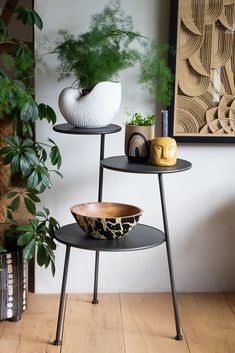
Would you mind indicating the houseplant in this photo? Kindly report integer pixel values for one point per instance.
(24, 169)
(93, 59)
(155, 73)
(139, 132)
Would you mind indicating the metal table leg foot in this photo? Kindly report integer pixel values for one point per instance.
(95, 293)
(178, 336)
(58, 341)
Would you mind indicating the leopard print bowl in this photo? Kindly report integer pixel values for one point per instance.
(106, 220)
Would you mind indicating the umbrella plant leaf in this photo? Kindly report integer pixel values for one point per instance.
(29, 250)
(24, 239)
(29, 205)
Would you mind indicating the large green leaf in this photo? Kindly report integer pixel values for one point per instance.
(45, 177)
(55, 156)
(51, 244)
(29, 17)
(9, 157)
(12, 141)
(31, 156)
(40, 214)
(29, 111)
(15, 203)
(46, 112)
(24, 239)
(35, 223)
(42, 255)
(12, 194)
(27, 143)
(29, 205)
(25, 165)
(5, 150)
(53, 267)
(29, 250)
(25, 228)
(15, 164)
(33, 197)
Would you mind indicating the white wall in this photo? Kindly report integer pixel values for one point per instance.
(201, 202)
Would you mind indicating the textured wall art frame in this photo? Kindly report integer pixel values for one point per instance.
(203, 33)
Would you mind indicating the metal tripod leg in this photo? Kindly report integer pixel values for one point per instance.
(178, 336)
(58, 341)
(100, 193)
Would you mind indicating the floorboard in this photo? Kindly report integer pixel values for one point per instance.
(149, 324)
(208, 323)
(92, 328)
(124, 323)
(230, 298)
(2, 323)
(35, 332)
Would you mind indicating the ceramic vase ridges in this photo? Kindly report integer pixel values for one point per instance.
(93, 110)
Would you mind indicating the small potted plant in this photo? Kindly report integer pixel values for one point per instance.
(24, 171)
(94, 59)
(139, 132)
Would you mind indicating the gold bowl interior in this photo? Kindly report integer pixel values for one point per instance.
(105, 210)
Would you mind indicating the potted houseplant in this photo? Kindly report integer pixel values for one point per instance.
(139, 132)
(95, 58)
(155, 74)
(24, 171)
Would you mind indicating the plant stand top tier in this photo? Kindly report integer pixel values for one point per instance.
(70, 129)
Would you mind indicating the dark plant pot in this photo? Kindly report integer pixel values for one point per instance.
(13, 285)
(137, 142)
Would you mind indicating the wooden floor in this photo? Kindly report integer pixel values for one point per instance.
(124, 323)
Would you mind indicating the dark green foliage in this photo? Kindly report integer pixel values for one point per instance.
(140, 120)
(3, 31)
(100, 53)
(107, 48)
(37, 238)
(27, 159)
(29, 17)
(155, 73)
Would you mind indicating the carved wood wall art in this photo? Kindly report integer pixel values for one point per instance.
(203, 33)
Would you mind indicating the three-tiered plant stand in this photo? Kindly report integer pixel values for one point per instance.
(141, 237)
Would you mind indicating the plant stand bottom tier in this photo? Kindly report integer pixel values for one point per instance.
(13, 285)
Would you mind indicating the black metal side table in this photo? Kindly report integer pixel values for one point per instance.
(141, 237)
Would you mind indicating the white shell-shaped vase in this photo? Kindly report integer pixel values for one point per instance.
(95, 109)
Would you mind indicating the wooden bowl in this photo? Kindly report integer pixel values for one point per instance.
(106, 220)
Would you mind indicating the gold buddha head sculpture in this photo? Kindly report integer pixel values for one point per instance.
(163, 152)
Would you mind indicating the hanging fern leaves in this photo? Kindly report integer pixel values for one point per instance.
(155, 74)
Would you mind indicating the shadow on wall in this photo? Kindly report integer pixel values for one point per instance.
(210, 252)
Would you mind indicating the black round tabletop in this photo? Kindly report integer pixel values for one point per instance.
(140, 238)
(70, 129)
(121, 164)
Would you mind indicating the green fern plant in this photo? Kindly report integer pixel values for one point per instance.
(100, 53)
(155, 73)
